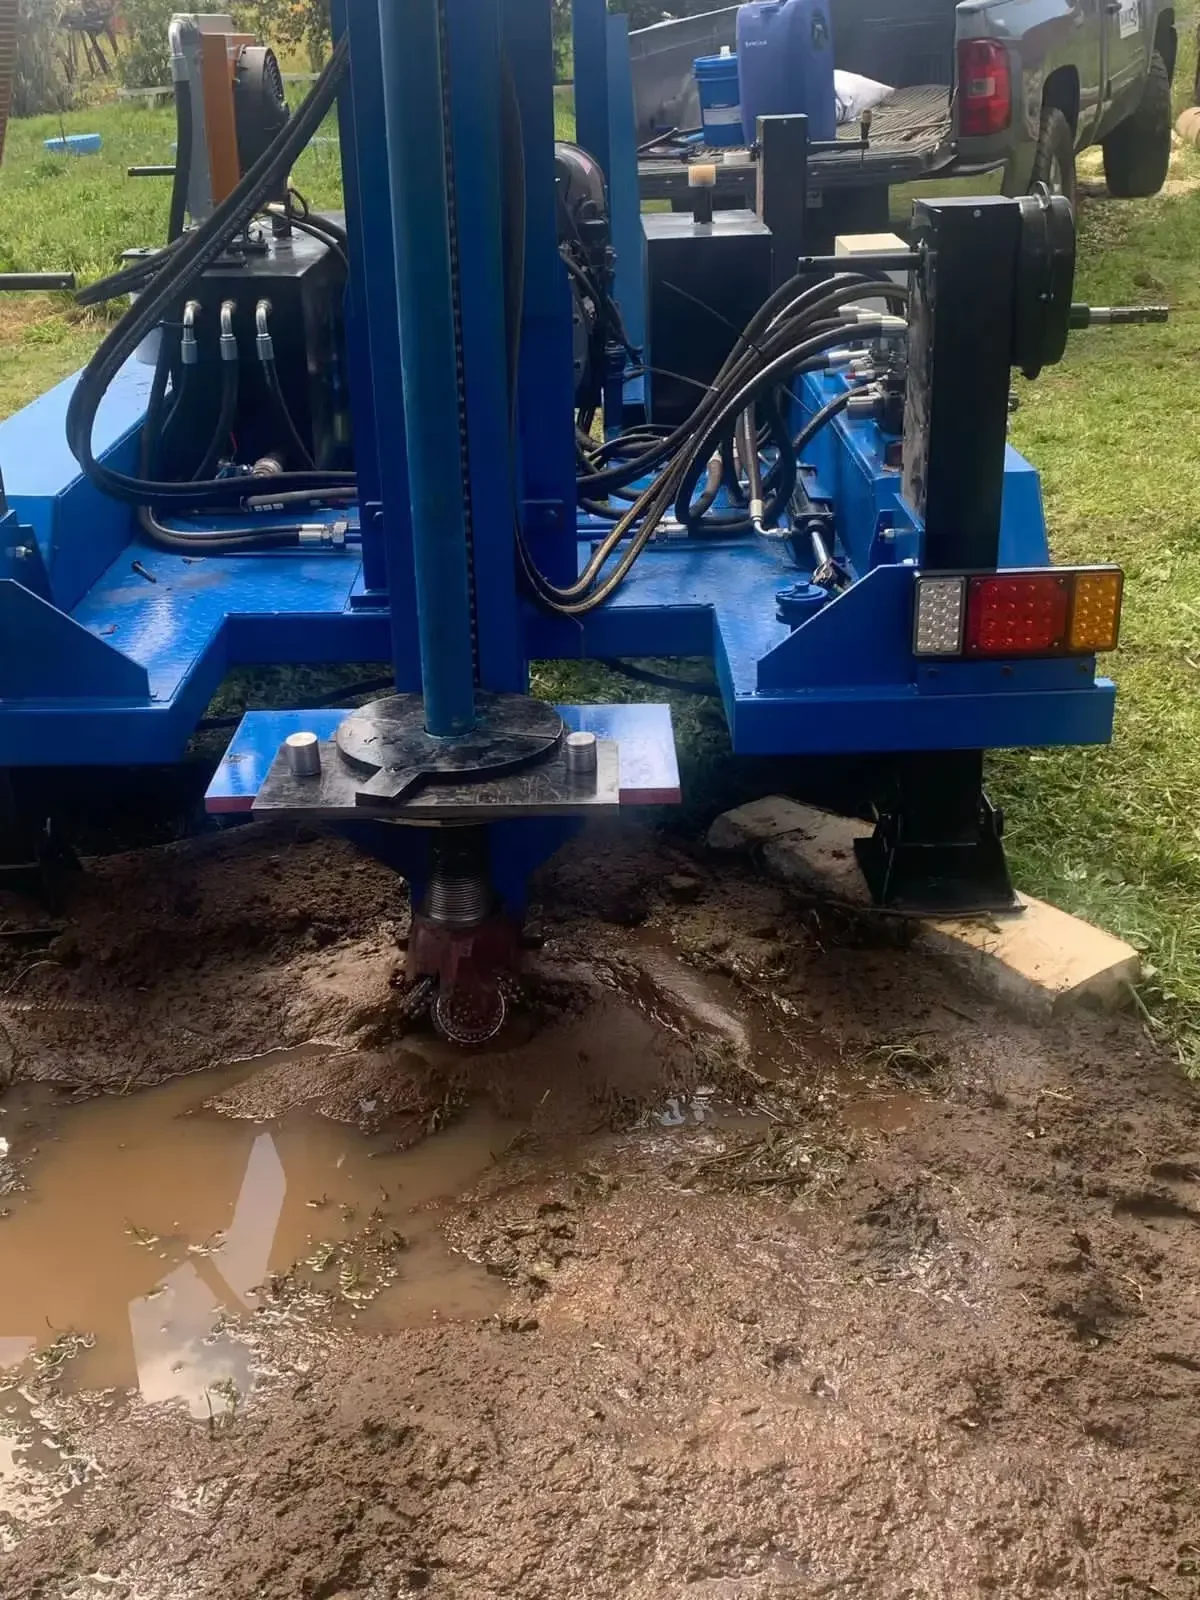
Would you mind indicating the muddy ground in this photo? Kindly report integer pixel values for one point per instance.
(899, 1297)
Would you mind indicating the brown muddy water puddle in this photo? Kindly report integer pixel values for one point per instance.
(150, 1225)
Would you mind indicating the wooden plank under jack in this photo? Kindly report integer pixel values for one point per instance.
(1041, 961)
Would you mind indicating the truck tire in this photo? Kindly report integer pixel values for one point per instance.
(1054, 162)
(1138, 151)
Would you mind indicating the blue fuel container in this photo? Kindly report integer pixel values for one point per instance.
(785, 64)
(720, 108)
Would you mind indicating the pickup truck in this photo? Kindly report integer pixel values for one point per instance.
(1007, 89)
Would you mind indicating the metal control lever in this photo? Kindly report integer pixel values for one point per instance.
(37, 280)
(867, 261)
(1109, 316)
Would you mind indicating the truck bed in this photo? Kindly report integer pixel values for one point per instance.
(910, 137)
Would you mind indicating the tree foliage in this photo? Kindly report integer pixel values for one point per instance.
(38, 83)
(145, 60)
(295, 25)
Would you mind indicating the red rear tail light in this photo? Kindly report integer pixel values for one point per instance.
(984, 87)
(1016, 616)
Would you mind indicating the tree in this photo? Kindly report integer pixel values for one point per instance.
(290, 24)
(37, 79)
(145, 62)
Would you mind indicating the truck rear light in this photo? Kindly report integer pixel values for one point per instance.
(1096, 612)
(1011, 616)
(1002, 615)
(984, 87)
(939, 624)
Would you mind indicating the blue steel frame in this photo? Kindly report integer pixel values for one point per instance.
(101, 664)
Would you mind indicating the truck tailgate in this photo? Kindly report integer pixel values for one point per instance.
(916, 120)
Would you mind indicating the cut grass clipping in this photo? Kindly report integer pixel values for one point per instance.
(1112, 833)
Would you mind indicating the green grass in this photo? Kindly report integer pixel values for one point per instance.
(1112, 833)
(66, 213)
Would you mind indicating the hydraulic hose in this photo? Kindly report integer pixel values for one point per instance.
(295, 443)
(226, 414)
(714, 416)
(593, 587)
(183, 160)
(316, 228)
(212, 541)
(778, 330)
(176, 359)
(227, 410)
(266, 355)
(817, 421)
(209, 541)
(190, 256)
(775, 489)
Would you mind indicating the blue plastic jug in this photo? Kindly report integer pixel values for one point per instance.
(785, 64)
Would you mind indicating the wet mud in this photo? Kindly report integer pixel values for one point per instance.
(757, 1259)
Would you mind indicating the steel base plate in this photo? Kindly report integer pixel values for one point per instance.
(336, 793)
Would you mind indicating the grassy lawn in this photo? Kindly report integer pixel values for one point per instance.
(1114, 833)
(77, 213)
(1111, 833)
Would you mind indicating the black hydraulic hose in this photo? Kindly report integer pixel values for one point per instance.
(746, 434)
(817, 421)
(300, 497)
(315, 229)
(327, 225)
(183, 159)
(151, 435)
(209, 542)
(213, 541)
(749, 377)
(770, 375)
(191, 255)
(266, 355)
(715, 415)
(180, 407)
(225, 420)
(293, 440)
(134, 278)
(729, 469)
(183, 360)
(129, 280)
(776, 487)
(708, 495)
(591, 588)
(782, 333)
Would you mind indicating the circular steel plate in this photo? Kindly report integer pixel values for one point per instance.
(386, 741)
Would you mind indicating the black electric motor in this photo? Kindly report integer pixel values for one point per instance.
(584, 242)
